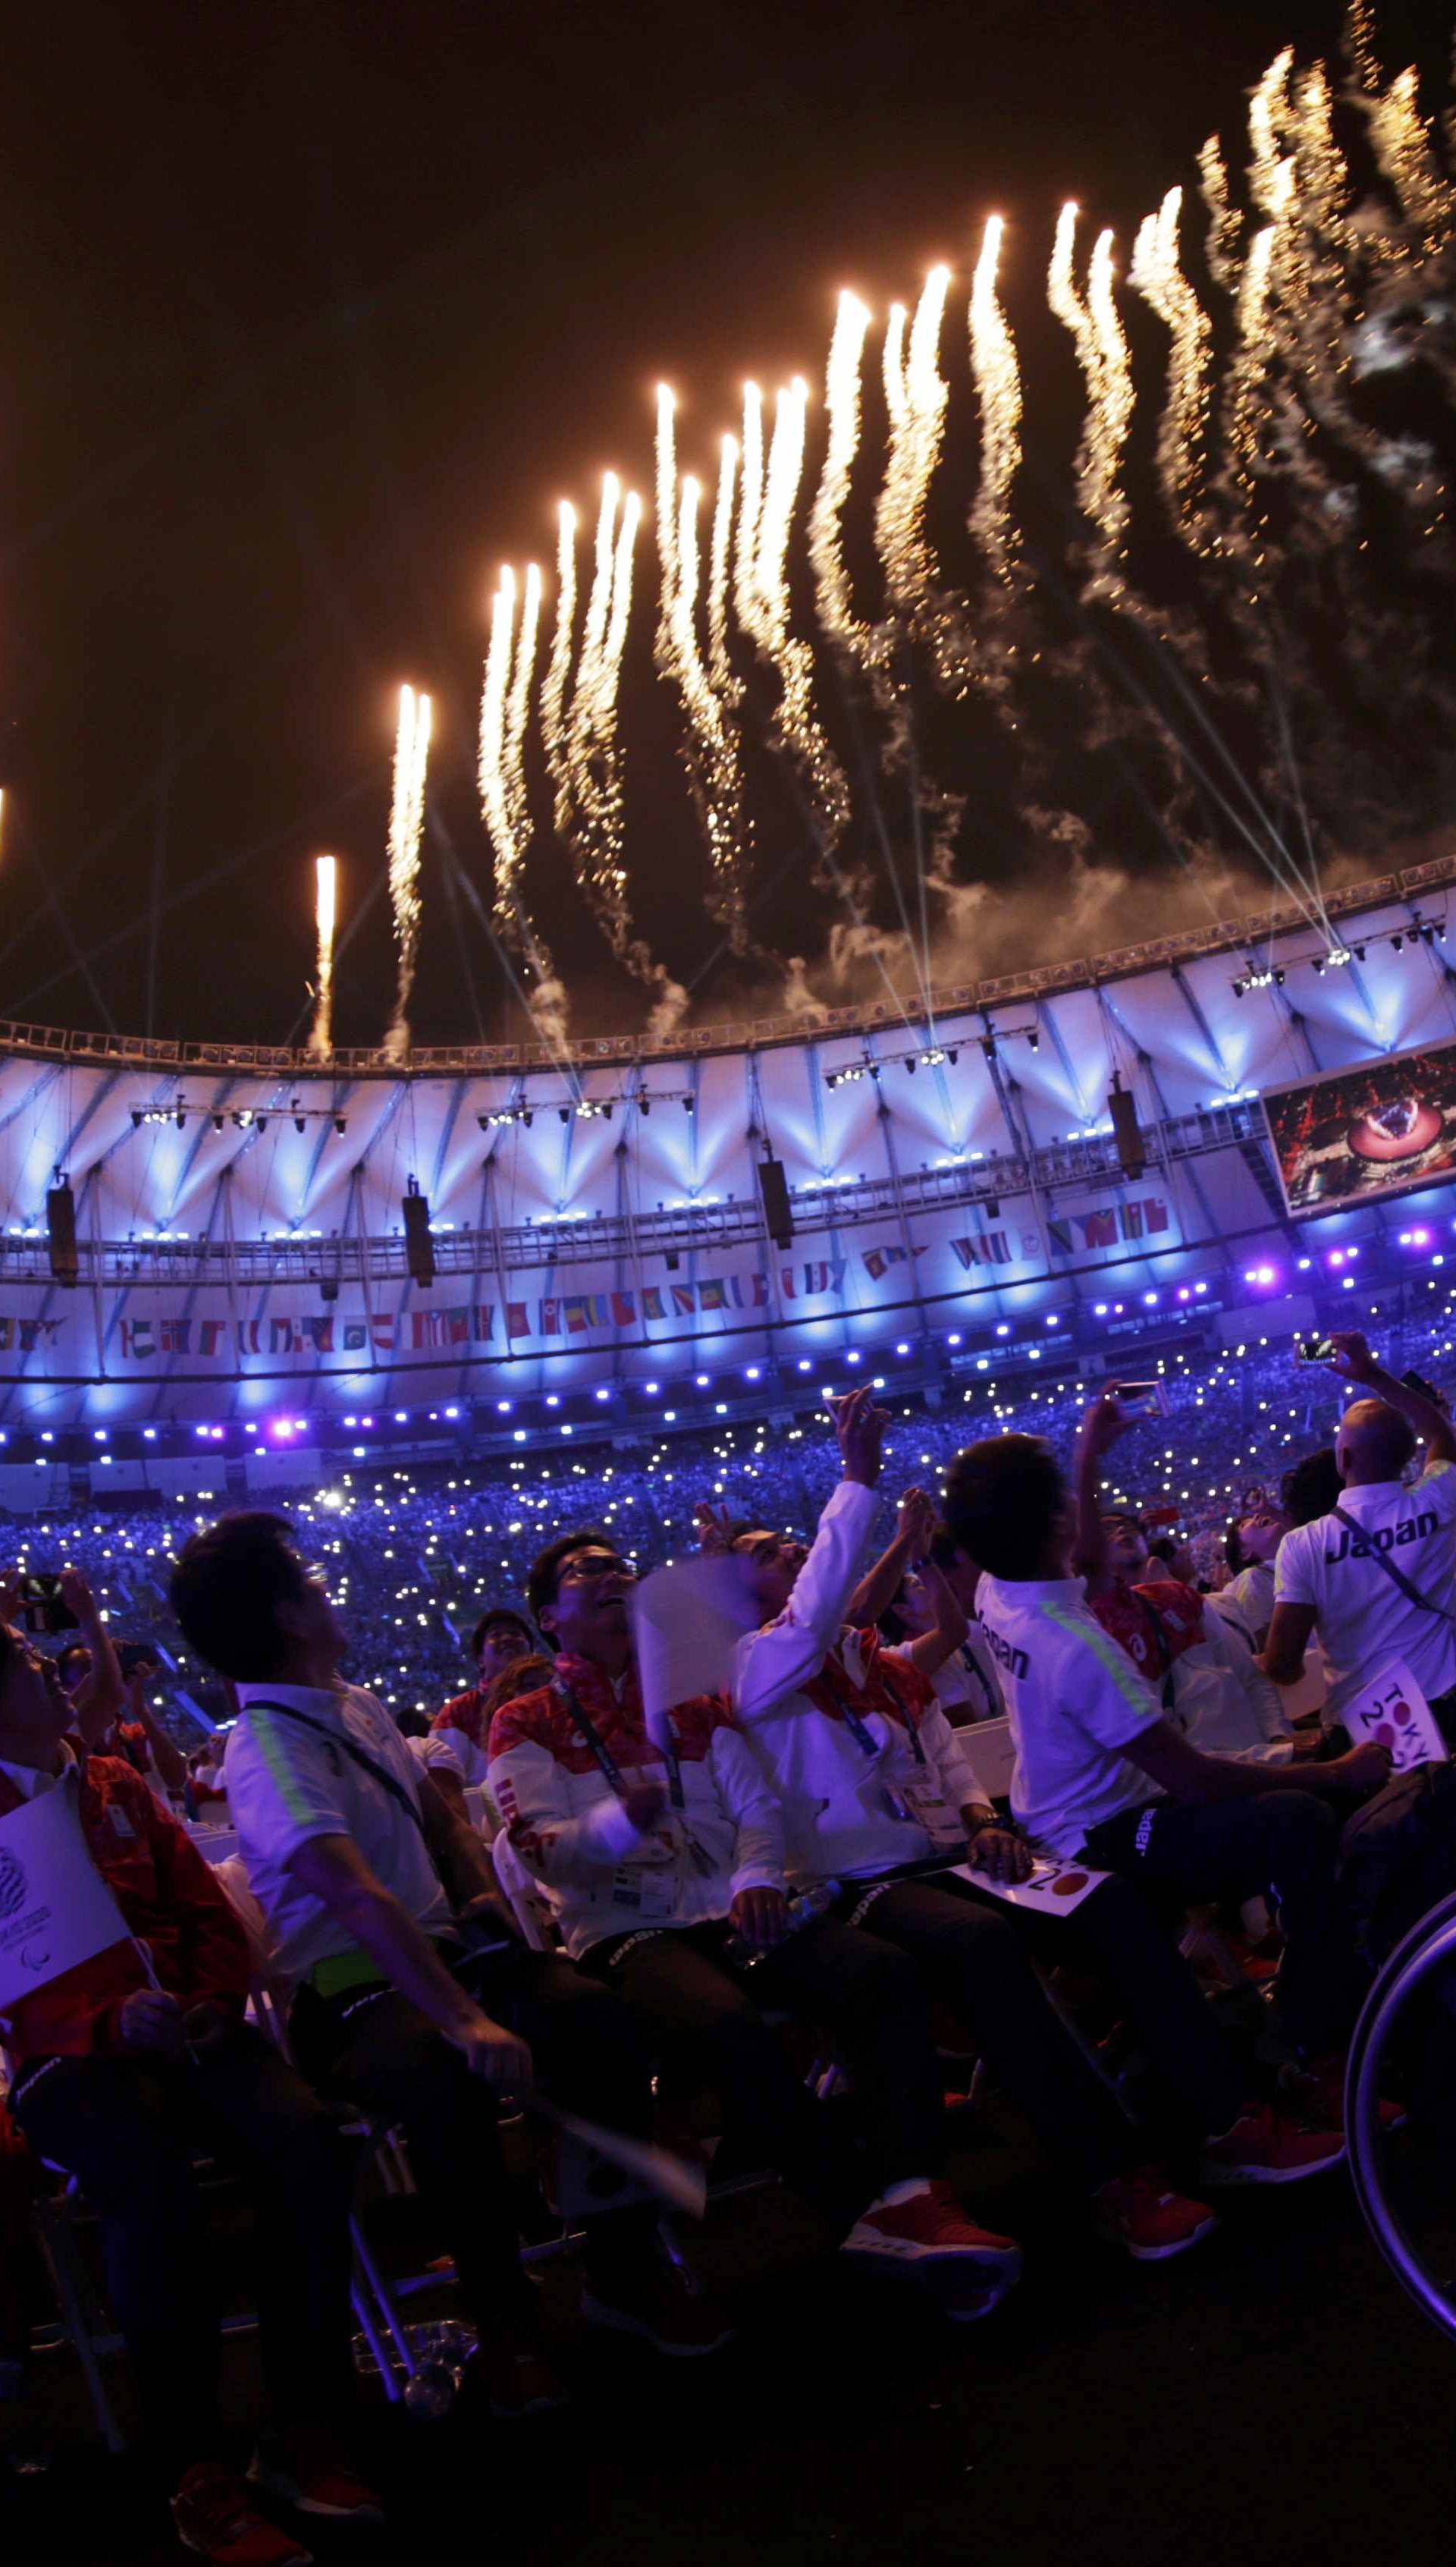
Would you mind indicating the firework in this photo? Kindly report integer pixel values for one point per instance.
(407, 826)
(326, 911)
(1101, 353)
(559, 666)
(494, 798)
(998, 392)
(1221, 246)
(917, 425)
(1158, 276)
(750, 507)
(718, 574)
(825, 528)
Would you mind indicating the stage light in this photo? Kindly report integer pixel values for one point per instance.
(1149, 1299)
(1033, 1041)
(1338, 956)
(1002, 1330)
(1395, 944)
(148, 1434)
(99, 1433)
(988, 1046)
(651, 1388)
(702, 1380)
(260, 1122)
(1200, 1288)
(552, 1400)
(688, 1103)
(804, 1364)
(136, 1118)
(217, 1122)
(563, 1113)
(419, 1247)
(602, 1394)
(752, 1374)
(1238, 988)
(340, 1124)
(181, 1118)
(519, 1435)
(952, 1342)
(1099, 1309)
(503, 1407)
(298, 1122)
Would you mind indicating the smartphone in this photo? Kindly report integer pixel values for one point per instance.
(132, 1654)
(1427, 1389)
(1141, 1398)
(1316, 1351)
(42, 1606)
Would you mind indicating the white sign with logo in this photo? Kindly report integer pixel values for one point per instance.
(1054, 1888)
(55, 1908)
(1394, 1711)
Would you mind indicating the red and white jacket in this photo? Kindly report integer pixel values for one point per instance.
(573, 1834)
(848, 1814)
(170, 1902)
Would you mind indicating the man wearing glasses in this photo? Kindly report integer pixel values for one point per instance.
(664, 1863)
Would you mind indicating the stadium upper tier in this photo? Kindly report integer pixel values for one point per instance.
(241, 1238)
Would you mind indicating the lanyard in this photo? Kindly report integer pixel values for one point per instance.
(858, 1728)
(603, 1753)
(387, 1781)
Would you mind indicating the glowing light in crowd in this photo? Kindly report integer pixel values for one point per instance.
(1157, 274)
(998, 392)
(406, 825)
(841, 397)
(325, 913)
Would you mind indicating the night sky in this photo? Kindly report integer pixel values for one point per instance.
(308, 317)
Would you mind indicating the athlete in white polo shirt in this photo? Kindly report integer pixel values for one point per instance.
(1346, 1578)
(414, 1996)
(1101, 1774)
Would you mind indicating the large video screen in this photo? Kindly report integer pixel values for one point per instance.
(1361, 1133)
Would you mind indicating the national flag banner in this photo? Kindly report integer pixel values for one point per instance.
(518, 1324)
(551, 1318)
(427, 1330)
(283, 1338)
(598, 1311)
(355, 1338)
(7, 1331)
(138, 1342)
(321, 1334)
(176, 1336)
(623, 1309)
(56, 1910)
(576, 1314)
(211, 1332)
(685, 1301)
(484, 1322)
(653, 1305)
(381, 1333)
(711, 1295)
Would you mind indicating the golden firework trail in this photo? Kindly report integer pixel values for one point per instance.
(917, 426)
(750, 509)
(491, 764)
(518, 704)
(1404, 149)
(794, 721)
(709, 750)
(841, 400)
(325, 915)
(1101, 354)
(1221, 245)
(1241, 411)
(997, 379)
(407, 826)
(1157, 274)
(720, 566)
(559, 666)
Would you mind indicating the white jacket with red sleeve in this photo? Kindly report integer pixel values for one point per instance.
(848, 1814)
(565, 1821)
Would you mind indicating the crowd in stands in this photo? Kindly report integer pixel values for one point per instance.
(933, 1707)
(411, 1552)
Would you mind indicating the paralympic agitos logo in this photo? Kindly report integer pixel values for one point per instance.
(13, 1885)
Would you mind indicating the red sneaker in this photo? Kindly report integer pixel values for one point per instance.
(1319, 2092)
(310, 2471)
(217, 2519)
(1140, 2211)
(932, 2228)
(1265, 2146)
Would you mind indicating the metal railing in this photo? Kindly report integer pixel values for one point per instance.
(601, 1238)
(162, 1052)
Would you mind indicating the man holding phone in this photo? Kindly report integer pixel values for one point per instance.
(1374, 1578)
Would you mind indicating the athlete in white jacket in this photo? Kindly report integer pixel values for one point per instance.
(877, 1795)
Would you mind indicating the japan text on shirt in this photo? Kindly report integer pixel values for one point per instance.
(289, 1779)
(1075, 1701)
(1362, 1617)
(559, 1786)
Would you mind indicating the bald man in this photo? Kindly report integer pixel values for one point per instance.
(1334, 1575)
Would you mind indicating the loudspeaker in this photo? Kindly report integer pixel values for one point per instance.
(419, 1247)
(61, 1233)
(1131, 1155)
(773, 1186)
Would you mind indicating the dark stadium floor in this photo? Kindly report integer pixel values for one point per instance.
(1270, 2398)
